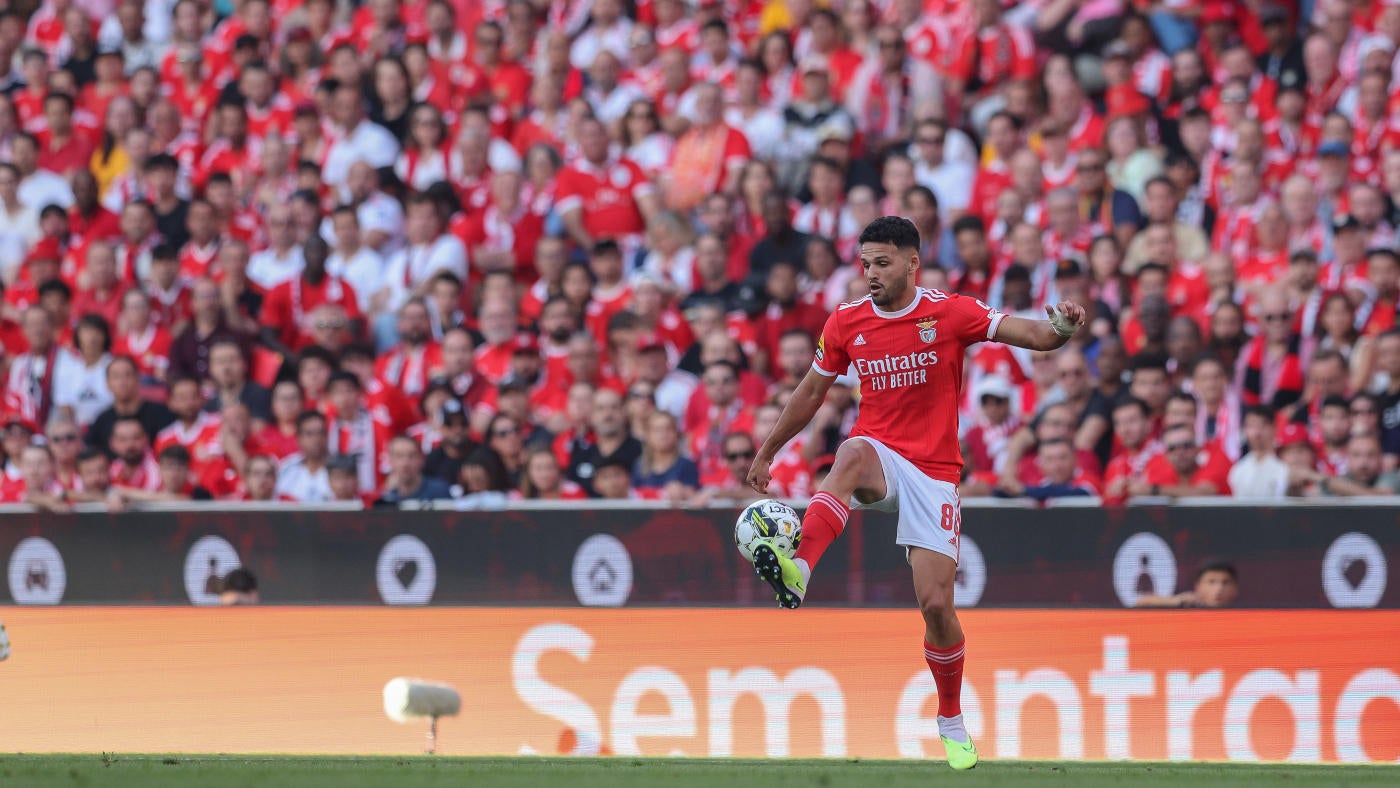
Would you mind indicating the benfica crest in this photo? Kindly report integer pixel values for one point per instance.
(926, 330)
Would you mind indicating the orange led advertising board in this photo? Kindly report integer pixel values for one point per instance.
(1236, 685)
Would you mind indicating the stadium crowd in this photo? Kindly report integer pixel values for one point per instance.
(554, 249)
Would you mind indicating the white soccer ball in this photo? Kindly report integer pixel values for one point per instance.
(771, 520)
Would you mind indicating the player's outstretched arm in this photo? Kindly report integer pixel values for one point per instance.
(1065, 318)
(802, 406)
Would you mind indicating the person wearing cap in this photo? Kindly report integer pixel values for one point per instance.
(812, 107)
(1282, 60)
(1347, 268)
(445, 460)
(995, 422)
(1260, 473)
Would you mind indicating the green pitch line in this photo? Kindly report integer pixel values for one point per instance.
(154, 771)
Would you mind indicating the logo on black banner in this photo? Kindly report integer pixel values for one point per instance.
(406, 572)
(37, 574)
(1144, 564)
(209, 559)
(602, 572)
(1354, 571)
(971, 578)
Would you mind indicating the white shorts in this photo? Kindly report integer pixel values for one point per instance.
(930, 511)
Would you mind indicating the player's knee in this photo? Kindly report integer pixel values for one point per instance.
(936, 604)
(854, 459)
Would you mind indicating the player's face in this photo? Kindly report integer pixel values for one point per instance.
(889, 272)
(1216, 589)
(1130, 426)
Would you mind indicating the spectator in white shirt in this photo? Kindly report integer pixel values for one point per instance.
(357, 139)
(354, 262)
(282, 260)
(19, 223)
(608, 32)
(380, 216)
(410, 271)
(303, 477)
(1260, 473)
(37, 188)
(609, 97)
(80, 381)
(950, 181)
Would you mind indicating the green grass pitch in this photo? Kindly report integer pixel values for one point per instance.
(154, 771)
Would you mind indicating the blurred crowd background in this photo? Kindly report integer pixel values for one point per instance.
(544, 249)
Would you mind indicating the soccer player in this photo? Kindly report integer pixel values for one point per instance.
(906, 344)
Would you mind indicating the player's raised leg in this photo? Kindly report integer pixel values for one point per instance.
(944, 649)
(857, 473)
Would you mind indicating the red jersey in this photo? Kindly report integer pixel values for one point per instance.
(607, 195)
(289, 304)
(1213, 468)
(200, 439)
(909, 364)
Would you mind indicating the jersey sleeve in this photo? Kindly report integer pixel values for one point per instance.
(831, 358)
(974, 321)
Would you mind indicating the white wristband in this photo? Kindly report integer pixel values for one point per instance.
(1061, 324)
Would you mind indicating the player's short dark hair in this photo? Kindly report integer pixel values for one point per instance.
(1153, 268)
(796, 332)
(1333, 400)
(56, 286)
(1134, 402)
(308, 416)
(239, 580)
(1207, 358)
(161, 161)
(1218, 565)
(316, 352)
(1143, 361)
(1265, 412)
(165, 251)
(966, 224)
(1015, 273)
(1182, 396)
(341, 376)
(726, 363)
(894, 230)
(175, 453)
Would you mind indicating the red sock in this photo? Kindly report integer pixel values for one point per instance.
(825, 520)
(947, 667)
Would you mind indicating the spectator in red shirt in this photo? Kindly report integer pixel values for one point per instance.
(1134, 448)
(784, 313)
(286, 315)
(63, 149)
(133, 465)
(1183, 469)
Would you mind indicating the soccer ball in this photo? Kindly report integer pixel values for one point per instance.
(768, 519)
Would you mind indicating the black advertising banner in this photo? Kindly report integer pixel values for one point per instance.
(1290, 557)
